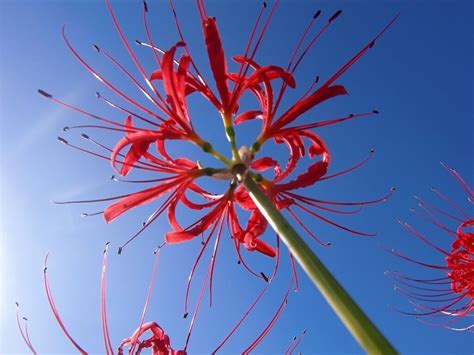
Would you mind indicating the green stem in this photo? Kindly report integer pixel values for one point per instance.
(360, 326)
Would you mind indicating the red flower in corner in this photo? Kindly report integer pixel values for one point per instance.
(158, 341)
(448, 298)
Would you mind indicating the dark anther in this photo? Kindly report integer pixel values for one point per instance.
(84, 214)
(317, 79)
(264, 5)
(120, 250)
(372, 150)
(85, 136)
(375, 111)
(44, 93)
(286, 301)
(351, 115)
(62, 140)
(336, 15)
(96, 47)
(316, 14)
(371, 44)
(264, 277)
(17, 304)
(145, 6)
(138, 42)
(214, 18)
(294, 338)
(66, 128)
(97, 94)
(393, 188)
(45, 269)
(112, 177)
(25, 319)
(304, 331)
(203, 243)
(185, 315)
(238, 262)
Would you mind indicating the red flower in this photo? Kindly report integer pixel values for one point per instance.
(179, 77)
(158, 341)
(432, 297)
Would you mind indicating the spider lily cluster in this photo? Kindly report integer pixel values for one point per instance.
(446, 300)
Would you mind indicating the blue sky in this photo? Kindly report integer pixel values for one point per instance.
(419, 75)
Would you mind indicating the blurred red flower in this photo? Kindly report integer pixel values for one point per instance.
(158, 341)
(448, 298)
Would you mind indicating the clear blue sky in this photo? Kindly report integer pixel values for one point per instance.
(419, 75)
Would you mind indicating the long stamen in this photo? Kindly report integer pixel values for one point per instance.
(242, 319)
(196, 309)
(214, 255)
(150, 289)
(24, 334)
(312, 213)
(132, 53)
(134, 81)
(123, 109)
(55, 311)
(103, 80)
(193, 269)
(461, 181)
(449, 201)
(422, 238)
(265, 331)
(180, 33)
(74, 108)
(148, 35)
(105, 328)
(295, 217)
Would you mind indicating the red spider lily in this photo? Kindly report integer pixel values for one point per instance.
(179, 77)
(433, 297)
(158, 341)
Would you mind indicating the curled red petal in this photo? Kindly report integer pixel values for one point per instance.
(265, 248)
(313, 174)
(247, 115)
(139, 138)
(139, 198)
(264, 163)
(320, 95)
(217, 60)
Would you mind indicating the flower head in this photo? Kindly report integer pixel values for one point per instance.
(146, 133)
(449, 297)
(158, 341)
